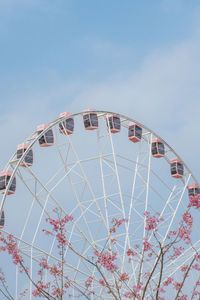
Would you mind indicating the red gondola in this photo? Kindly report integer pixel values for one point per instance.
(28, 160)
(157, 148)
(2, 219)
(67, 126)
(134, 132)
(193, 189)
(114, 123)
(4, 180)
(47, 139)
(90, 120)
(176, 167)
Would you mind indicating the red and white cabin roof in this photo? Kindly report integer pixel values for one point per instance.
(22, 146)
(6, 173)
(193, 186)
(176, 160)
(157, 140)
(64, 114)
(42, 127)
(134, 124)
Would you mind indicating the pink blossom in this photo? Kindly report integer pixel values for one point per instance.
(67, 284)
(195, 293)
(53, 270)
(178, 251)
(168, 281)
(123, 277)
(196, 267)
(184, 268)
(129, 295)
(194, 201)
(184, 234)
(43, 263)
(176, 285)
(11, 246)
(40, 287)
(57, 292)
(183, 297)
(197, 257)
(188, 219)
(131, 252)
(106, 260)
(88, 282)
(161, 290)
(116, 223)
(151, 222)
(101, 282)
(138, 287)
(147, 245)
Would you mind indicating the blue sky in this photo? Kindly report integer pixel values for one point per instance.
(136, 57)
(140, 58)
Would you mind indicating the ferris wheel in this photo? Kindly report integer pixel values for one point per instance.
(110, 173)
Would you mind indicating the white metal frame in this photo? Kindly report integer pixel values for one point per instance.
(143, 162)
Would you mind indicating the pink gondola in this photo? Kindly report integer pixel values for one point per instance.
(28, 160)
(2, 219)
(157, 148)
(114, 123)
(4, 180)
(67, 126)
(177, 168)
(47, 139)
(193, 189)
(134, 132)
(90, 120)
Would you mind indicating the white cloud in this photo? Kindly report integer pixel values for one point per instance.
(163, 94)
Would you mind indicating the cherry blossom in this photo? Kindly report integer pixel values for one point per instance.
(88, 282)
(168, 281)
(124, 277)
(147, 245)
(106, 260)
(194, 201)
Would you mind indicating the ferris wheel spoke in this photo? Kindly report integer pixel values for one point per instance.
(173, 266)
(116, 178)
(43, 206)
(39, 253)
(176, 209)
(87, 181)
(32, 193)
(131, 209)
(146, 207)
(49, 192)
(121, 199)
(105, 196)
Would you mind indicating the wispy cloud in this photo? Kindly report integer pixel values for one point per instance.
(163, 94)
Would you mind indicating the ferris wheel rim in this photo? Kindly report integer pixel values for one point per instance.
(34, 138)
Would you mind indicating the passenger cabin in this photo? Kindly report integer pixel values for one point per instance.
(66, 126)
(193, 190)
(47, 139)
(90, 120)
(4, 180)
(113, 123)
(2, 219)
(157, 148)
(134, 132)
(176, 167)
(28, 159)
